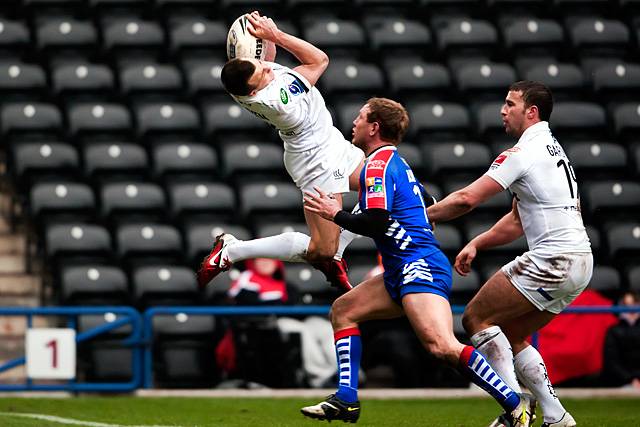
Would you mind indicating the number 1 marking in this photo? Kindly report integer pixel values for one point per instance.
(54, 353)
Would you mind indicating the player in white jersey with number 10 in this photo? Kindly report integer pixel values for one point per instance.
(315, 152)
(531, 290)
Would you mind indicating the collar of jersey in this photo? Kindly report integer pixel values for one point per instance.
(384, 147)
(538, 127)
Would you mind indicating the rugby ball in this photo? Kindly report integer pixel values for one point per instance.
(241, 44)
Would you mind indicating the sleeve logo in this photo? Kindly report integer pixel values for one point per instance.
(283, 96)
(376, 164)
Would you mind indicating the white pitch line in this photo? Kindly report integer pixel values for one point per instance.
(62, 420)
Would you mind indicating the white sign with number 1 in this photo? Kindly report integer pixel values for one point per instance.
(51, 353)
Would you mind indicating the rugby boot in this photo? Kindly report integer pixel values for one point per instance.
(332, 408)
(566, 421)
(335, 272)
(217, 261)
(504, 420)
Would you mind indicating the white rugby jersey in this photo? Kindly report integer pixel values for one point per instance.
(537, 171)
(295, 108)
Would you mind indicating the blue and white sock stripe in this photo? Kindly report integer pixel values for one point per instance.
(343, 348)
(484, 372)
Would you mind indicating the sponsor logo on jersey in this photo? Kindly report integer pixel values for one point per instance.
(295, 88)
(283, 96)
(371, 181)
(376, 164)
(337, 174)
(499, 160)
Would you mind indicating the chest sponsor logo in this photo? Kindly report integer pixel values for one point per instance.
(376, 164)
(283, 96)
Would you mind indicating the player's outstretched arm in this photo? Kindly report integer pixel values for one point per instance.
(313, 60)
(462, 201)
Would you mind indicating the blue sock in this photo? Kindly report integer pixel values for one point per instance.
(477, 369)
(348, 352)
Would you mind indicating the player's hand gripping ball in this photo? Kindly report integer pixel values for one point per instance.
(242, 44)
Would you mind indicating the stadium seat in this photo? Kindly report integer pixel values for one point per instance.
(244, 160)
(14, 38)
(184, 161)
(626, 121)
(566, 81)
(597, 160)
(200, 201)
(37, 161)
(413, 80)
(349, 77)
(623, 240)
(617, 82)
(310, 284)
(633, 278)
(596, 242)
(635, 152)
(58, 200)
(183, 349)
(200, 237)
(464, 287)
(464, 37)
(413, 156)
(76, 242)
(511, 250)
(606, 280)
(358, 272)
(105, 361)
(337, 37)
(391, 36)
(99, 119)
(488, 120)
(82, 81)
(461, 158)
(129, 39)
(147, 243)
(438, 121)
(148, 81)
(272, 229)
(597, 35)
(67, 37)
(132, 200)
(225, 118)
(167, 120)
(345, 113)
(164, 285)
(115, 161)
(22, 119)
(611, 200)
(578, 120)
(449, 238)
(485, 81)
(203, 80)
(22, 82)
(270, 200)
(93, 284)
(532, 36)
(193, 36)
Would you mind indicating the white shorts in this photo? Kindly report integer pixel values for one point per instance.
(550, 282)
(327, 167)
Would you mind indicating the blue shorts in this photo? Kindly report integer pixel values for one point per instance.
(430, 275)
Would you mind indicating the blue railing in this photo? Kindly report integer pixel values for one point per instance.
(141, 336)
(129, 316)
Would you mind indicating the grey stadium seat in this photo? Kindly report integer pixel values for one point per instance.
(197, 34)
(34, 160)
(82, 79)
(345, 76)
(626, 120)
(56, 35)
(201, 201)
(229, 117)
(154, 285)
(90, 119)
(115, 160)
(486, 79)
(438, 120)
(597, 159)
(565, 80)
(283, 200)
(458, 35)
(78, 240)
(242, 159)
(578, 120)
(61, 198)
(464, 287)
(175, 161)
(589, 33)
(199, 238)
(335, 36)
(142, 242)
(624, 242)
(90, 284)
(167, 119)
(488, 119)
(131, 199)
(13, 37)
(34, 117)
(606, 280)
(130, 38)
(396, 35)
(267, 230)
(310, 284)
(449, 238)
(148, 79)
(203, 79)
(609, 200)
(617, 82)
(22, 81)
(445, 158)
(532, 35)
(413, 78)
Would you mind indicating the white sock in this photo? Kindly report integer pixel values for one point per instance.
(495, 347)
(346, 236)
(290, 246)
(533, 374)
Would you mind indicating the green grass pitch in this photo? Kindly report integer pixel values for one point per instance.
(258, 412)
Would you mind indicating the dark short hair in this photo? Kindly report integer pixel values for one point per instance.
(535, 93)
(391, 116)
(235, 76)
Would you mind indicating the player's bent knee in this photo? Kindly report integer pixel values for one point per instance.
(470, 322)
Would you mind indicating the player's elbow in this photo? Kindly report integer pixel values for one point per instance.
(466, 200)
(323, 60)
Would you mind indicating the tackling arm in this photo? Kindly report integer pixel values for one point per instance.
(462, 201)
